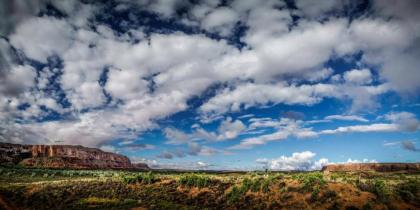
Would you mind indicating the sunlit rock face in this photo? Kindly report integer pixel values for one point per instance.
(63, 156)
(379, 167)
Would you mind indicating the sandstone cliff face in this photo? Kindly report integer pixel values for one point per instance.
(379, 167)
(62, 156)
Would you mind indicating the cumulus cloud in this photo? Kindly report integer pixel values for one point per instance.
(361, 77)
(230, 128)
(406, 121)
(42, 37)
(175, 136)
(80, 80)
(222, 19)
(284, 129)
(238, 98)
(298, 161)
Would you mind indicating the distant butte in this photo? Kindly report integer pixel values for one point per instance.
(378, 167)
(64, 156)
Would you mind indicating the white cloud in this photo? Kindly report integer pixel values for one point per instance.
(175, 136)
(400, 121)
(365, 160)
(406, 121)
(230, 128)
(222, 20)
(361, 77)
(152, 77)
(18, 80)
(346, 118)
(228, 100)
(233, 100)
(379, 127)
(285, 128)
(42, 37)
(300, 161)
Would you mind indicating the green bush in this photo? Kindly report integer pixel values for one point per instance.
(245, 185)
(234, 195)
(315, 193)
(256, 185)
(311, 180)
(377, 187)
(145, 178)
(194, 180)
(265, 186)
(408, 189)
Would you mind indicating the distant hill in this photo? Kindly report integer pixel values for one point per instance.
(379, 167)
(64, 156)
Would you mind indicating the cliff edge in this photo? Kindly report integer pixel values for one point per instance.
(378, 167)
(63, 156)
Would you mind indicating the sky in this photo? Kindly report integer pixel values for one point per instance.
(223, 85)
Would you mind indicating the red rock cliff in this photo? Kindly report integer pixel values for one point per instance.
(379, 167)
(62, 156)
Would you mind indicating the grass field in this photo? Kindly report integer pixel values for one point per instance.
(22, 188)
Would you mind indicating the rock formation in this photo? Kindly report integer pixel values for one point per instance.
(64, 156)
(379, 167)
(140, 166)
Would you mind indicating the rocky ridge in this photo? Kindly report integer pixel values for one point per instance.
(378, 167)
(64, 156)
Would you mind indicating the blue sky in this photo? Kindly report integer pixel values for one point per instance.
(238, 85)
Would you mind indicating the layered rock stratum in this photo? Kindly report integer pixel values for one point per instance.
(64, 156)
(378, 167)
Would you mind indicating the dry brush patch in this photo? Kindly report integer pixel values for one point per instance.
(67, 189)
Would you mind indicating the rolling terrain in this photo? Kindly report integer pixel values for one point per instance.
(75, 177)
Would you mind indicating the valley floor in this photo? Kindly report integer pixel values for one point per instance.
(22, 188)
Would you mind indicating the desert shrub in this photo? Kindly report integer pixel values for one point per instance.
(234, 195)
(377, 187)
(146, 178)
(334, 177)
(194, 180)
(408, 189)
(312, 180)
(265, 186)
(315, 193)
(256, 185)
(245, 185)
(381, 189)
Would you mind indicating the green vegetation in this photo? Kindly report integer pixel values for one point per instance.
(145, 178)
(195, 180)
(110, 189)
(311, 181)
(409, 190)
(376, 186)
